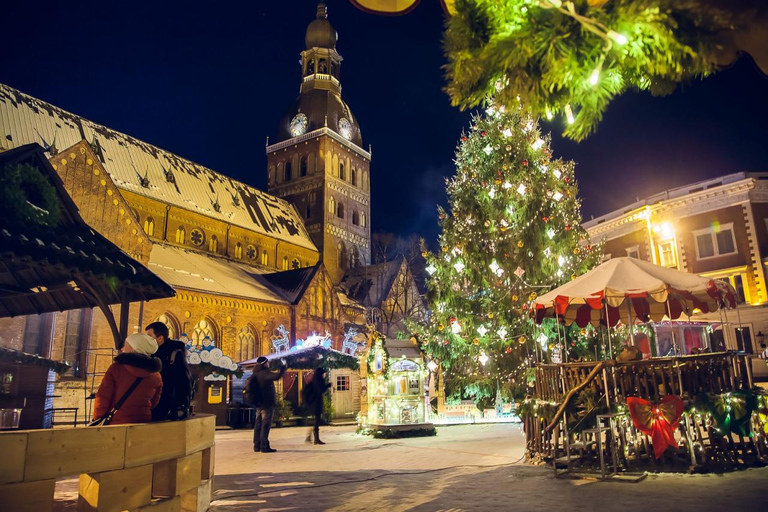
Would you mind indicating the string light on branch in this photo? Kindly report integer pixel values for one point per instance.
(569, 114)
(617, 38)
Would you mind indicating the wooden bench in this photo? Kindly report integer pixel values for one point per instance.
(157, 467)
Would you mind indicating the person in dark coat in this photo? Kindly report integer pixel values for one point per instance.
(134, 361)
(314, 392)
(265, 379)
(177, 380)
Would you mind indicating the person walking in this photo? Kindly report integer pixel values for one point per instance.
(177, 380)
(132, 384)
(265, 399)
(314, 393)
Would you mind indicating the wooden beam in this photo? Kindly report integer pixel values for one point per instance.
(125, 308)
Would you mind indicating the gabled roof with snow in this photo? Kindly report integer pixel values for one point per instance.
(370, 284)
(147, 170)
(196, 271)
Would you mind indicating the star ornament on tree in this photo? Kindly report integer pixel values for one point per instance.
(657, 420)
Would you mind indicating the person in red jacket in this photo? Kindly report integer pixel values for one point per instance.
(134, 361)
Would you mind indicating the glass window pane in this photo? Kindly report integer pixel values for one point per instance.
(725, 242)
(706, 247)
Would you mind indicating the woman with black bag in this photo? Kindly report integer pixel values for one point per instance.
(314, 392)
(131, 387)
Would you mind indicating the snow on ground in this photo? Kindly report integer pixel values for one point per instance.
(467, 467)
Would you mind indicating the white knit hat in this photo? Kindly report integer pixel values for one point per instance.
(142, 343)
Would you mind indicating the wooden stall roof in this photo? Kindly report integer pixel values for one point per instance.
(69, 266)
(310, 358)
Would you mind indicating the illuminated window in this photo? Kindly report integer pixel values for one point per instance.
(362, 219)
(238, 250)
(667, 254)
(204, 333)
(715, 241)
(285, 263)
(181, 235)
(213, 244)
(149, 226)
(331, 205)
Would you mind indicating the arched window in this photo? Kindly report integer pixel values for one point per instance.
(322, 67)
(285, 263)
(331, 205)
(149, 226)
(303, 166)
(170, 321)
(287, 173)
(247, 341)
(342, 175)
(354, 257)
(355, 218)
(238, 250)
(311, 66)
(308, 212)
(213, 244)
(264, 258)
(353, 176)
(362, 219)
(340, 210)
(295, 264)
(205, 328)
(181, 235)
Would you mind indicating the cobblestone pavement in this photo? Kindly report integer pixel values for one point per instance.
(469, 467)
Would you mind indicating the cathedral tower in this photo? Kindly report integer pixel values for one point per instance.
(318, 162)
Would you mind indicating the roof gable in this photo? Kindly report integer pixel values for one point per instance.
(371, 284)
(148, 170)
(290, 284)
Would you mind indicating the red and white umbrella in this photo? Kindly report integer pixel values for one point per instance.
(629, 289)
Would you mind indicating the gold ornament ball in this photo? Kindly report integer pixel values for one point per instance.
(424, 254)
(445, 249)
(490, 315)
(521, 340)
(476, 341)
(582, 331)
(573, 276)
(440, 327)
(520, 244)
(576, 251)
(514, 298)
(503, 228)
(532, 296)
(487, 223)
(498, 181)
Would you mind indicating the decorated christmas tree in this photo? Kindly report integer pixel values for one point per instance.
(512, 231)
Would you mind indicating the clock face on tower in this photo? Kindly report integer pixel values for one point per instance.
(345, 128)
(298, 125)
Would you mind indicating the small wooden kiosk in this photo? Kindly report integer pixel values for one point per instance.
(395, 375)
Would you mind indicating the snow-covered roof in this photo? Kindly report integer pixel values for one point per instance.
(149, 171)
(196, 271)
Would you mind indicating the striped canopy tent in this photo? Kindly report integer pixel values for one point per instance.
(633, 290)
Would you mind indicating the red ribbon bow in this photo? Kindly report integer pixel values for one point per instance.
(657, 420)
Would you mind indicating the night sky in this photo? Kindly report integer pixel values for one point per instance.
(210, 81)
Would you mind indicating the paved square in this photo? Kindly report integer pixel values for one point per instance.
(468, 467)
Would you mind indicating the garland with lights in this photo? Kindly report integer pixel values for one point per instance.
(574, 57)
(513, 231)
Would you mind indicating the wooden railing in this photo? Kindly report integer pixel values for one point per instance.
(684, 376)
(612, 382)
(137, 467)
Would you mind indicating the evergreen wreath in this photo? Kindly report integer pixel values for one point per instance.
(27, 196)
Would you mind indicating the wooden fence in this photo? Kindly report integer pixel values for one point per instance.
(652, 379)
(158, 467)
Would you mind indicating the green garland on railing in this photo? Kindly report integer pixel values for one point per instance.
(8, 355)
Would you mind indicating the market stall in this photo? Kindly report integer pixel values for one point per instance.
(396, 390)
(639, 413)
